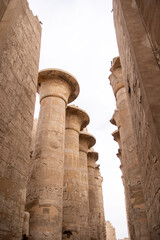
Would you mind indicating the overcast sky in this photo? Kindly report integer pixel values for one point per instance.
(78, 36)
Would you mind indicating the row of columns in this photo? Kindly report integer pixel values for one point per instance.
(60, 189)
(124, 135)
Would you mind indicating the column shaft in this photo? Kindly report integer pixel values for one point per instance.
(75, 120)
(84, 198)
(100, 208)
(92, 158)
(45, 192)
(86, 142)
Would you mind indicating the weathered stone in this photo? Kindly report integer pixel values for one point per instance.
(25, 231)
(110, 231)
(45, 192)
(138, 36)
(19, 59)
(137, 218)
(86, 141)
(93, 216)
(3, 7)
(100, 209)
(76, 120)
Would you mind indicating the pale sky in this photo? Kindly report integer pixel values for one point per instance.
(78, 36)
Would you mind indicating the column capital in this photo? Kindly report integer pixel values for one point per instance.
(115, 78)
(115, 120)
(92, 157)
(98, 174)
(57, 83)
(116, 135)
(76, 118)
(119, 154)
(86, 141)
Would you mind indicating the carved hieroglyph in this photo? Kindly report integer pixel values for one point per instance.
(76, 120)
(137, 26)
(86, 141)
(20, 34)
(45, 192)
(93, 216)
(99, 204)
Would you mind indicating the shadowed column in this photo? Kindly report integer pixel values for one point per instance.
(131, 169)
(86, 141)
(92, 158)
(76, 120)
(45, 192)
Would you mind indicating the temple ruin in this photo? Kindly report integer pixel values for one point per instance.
(44, 180)
(50, 182)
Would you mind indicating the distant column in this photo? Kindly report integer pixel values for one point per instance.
(92, 158)
(110, 231)
(45, 193)
(86, 141)
(100, 208)
(76, 120)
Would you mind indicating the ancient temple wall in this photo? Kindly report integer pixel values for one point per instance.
(141, 77)
(20, 34)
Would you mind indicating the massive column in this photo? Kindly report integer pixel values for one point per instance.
(132, 178)
(86, 141)
(76, 120)
(45, 192)
(93, 220)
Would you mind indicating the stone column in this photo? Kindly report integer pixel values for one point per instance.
(100, 207)
(45, 192)
(137, 28)
(110, 232)
(116, 136)
(92, 158)
(76, 120)
(132, 177)
(86, 141)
